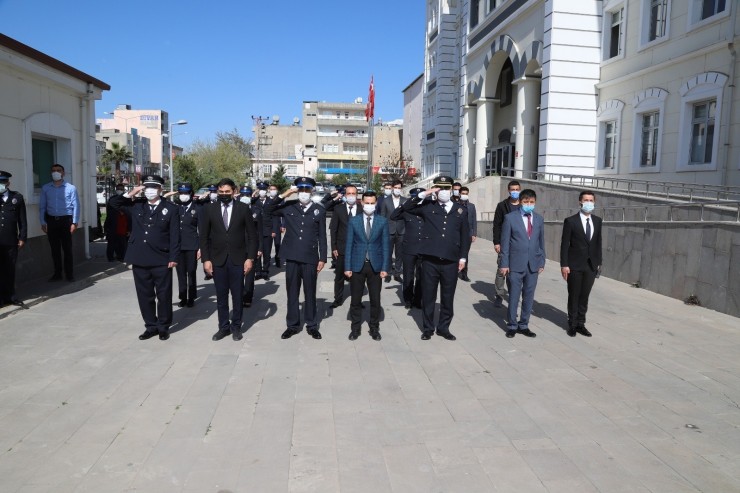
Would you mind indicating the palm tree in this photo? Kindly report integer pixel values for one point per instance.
(117, 154)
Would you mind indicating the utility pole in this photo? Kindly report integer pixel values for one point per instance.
(259, 123)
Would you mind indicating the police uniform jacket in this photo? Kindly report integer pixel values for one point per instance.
(305, 232)
(238, 243)
(258, 221)
(444, 235)
(13, 224)
(155, 235)
(267, 226)
(413, 226)
(189, 215)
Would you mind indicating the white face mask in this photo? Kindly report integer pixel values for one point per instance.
(368, 209)
(387, 192)
(263, 193)
(304, 197)
(245, 199)
(397, 192)
(151, 193)
(184, 198)
(351, 199)
(456, 193)
(273, 194)
(213, 196)
(3, 187)
(464, 198)
(444, 196)
(56, 176)
(316, 199)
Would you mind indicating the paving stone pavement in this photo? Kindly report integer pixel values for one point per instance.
(649, 404)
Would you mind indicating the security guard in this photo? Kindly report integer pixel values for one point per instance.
(245, 197)
(304, 252)
(444, 249)
(187, 264)
(13, 232)
(153, 250)
(261, 202)
(411, 259)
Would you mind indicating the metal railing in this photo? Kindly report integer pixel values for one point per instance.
(425, 183)
(658, 189)
(715, 211)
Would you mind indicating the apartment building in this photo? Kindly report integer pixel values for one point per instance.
(138, 146)
(152, 124)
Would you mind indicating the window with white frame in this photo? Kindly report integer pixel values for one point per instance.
(701, 109)
(614, 30)
(609, 117)
(656, 19)
(647, 139)
(706, 11)
(711, 7)
(330, 148)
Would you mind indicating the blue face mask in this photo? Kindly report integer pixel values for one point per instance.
(587, 207)
(528, 208)
(514, 194)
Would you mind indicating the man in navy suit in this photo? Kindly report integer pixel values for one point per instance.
(153, 251)
(411, 259)
(522, 259)
(367, 260)
(340, 218)
(245, 197)
(464, 200)
(580, 260)
(228, 245)
(187, 264)
(397, 228)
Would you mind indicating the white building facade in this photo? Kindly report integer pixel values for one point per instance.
(413, 108)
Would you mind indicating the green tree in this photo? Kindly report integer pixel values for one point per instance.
(185, 169)
(116, 155)
(320, 176)
(228, 157)
(377, 184)
(339, 179)
(278, 179)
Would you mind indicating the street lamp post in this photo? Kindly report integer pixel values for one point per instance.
(179, 122)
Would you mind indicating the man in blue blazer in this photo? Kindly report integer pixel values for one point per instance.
(522, 259)
(367, 260)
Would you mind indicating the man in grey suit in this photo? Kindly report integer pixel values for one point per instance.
(522, 259)
(397, 228)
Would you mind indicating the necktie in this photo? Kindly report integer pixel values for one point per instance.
(529, 225)
(588, 229)
(226, 216)
(151, 208)
(351, 212)
(368, 228)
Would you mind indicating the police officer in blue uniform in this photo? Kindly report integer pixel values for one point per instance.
(187, 264)
(262, 200)
(411, 259)
(210, 197)
(304, 253)
(153, 251)
(245, 197)
(444, 250)
(13, 232)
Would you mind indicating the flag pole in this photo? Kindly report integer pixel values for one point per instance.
(370, 157)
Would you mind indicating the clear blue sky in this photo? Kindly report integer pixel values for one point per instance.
(215, 63)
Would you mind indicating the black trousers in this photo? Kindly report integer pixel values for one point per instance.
(249, 286)
(187, 267)
(436, 272)
(154, 292)
(60, 240)
(116, 248)
(228, 278)
(579, 288)
(8, 258)
(412, 279)
(266, 253)
(277, 240)
(367, 276)
(295, 274)
(397, 252)
(339, 280)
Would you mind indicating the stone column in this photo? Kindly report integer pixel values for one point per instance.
(468, 150)
(527, 125)
(483, 132)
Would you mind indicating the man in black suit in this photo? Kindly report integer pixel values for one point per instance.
(304, 253)
(464, 200)
(228, 246)
(117, 229)
(153, 251)
(580, 260)
(245, 197)
(261, 201)
(187, 265)
(13, 232)
(397, 228)
(277, 225)
(413, 226)
(444, 249)
(341, 216)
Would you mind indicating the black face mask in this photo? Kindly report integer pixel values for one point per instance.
(225, 198)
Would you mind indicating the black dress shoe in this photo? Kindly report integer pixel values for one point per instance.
(571, 332)
(417, 305)
(375, 335)
(55, 278)
(336, 304)
(236, 335)
(147, 335)
(510, 333)
(447, 336)
(583, 331)
(387, 278)
(289, 333)
(354, 335)
(407, 306)
(266, 277)
(465, 278)
(277, 262)
(207, 277)
(314, 333)
(190, 303)
(182, 303)
(498, 302)
(397, 278)
(163, 336)
(425, 336)
(17, 302)
(527, 333)
(220, 335)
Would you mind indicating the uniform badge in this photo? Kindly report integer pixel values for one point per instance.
(192, 212)
(459, 211)
(14, 201)
(164, 212)
(254, 215)
(315, 212)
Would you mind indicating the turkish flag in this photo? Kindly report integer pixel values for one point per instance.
(370, 107)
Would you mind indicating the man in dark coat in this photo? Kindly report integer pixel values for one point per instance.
(13, 233)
